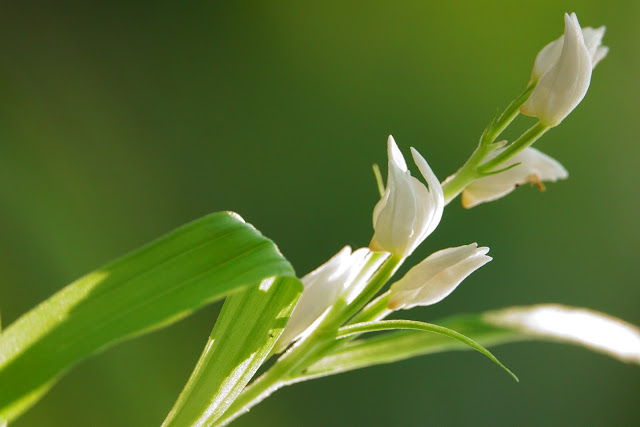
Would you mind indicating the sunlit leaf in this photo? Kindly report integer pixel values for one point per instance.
(152, 287)
(588, 328)
(248, 327)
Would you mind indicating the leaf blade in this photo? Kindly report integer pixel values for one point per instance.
(486, 328)
(149, 288)
(384, 325)
(246, 331)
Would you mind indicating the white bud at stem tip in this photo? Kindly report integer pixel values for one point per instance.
(437, 276)
(563, 72)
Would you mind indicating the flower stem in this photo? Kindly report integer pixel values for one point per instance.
(292, 361)
(457, 182)
(473, 169)
(378, 280)
(510, 113)
(525, 140)
(375, 310)
(311, 348)
(324, 338)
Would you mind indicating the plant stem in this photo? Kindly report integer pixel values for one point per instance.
(525, 140)
(469, 172)
(379, 279)
(323, 339)
(288, 363)
(311, 348)
(375, 310)
(510, 113)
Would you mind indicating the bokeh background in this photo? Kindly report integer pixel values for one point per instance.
(120, 121)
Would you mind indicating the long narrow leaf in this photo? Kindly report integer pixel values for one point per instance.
(248, 327)
(152, 287)
(587, 328)
(385, 325)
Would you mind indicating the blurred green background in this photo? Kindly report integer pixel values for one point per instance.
(122, 120)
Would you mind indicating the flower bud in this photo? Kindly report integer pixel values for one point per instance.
(407, 212)
(437, 276)
(550, 54)
(322, 287)
(564, 82)
(534, 167)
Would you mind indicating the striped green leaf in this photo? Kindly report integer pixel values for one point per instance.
(249, 325)
(152, 287)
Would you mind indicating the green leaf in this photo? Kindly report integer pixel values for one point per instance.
(384, 325)
(596, 331)
(248, 327)
(152, 287)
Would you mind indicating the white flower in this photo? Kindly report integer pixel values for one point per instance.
(551, 52)
(535, 167)
(437, 276)
(340, 276)
(563, 82)
(407, 212)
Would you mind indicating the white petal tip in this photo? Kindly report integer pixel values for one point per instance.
(395, 155)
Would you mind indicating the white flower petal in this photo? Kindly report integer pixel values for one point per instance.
(565, 83)
(435, 191)
(546, 58)
(437, 276)
(395, 214)
(362, 270)
(563, 72)
(551, 52)
(600, 54)
(407, 212)
(395, 155)
(535, 167)
(321, 289)
(593, 39)
(342, 275)
(595, 330)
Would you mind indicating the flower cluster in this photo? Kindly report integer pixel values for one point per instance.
(345, 297)
(410, 210)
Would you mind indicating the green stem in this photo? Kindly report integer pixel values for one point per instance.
(525, 140)
(291, 362)
(312, 348)
(375, 310)
(379, 279)
(469, 172)
(323, 339)
(510, 113)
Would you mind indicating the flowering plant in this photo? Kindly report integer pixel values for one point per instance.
(316, 325)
